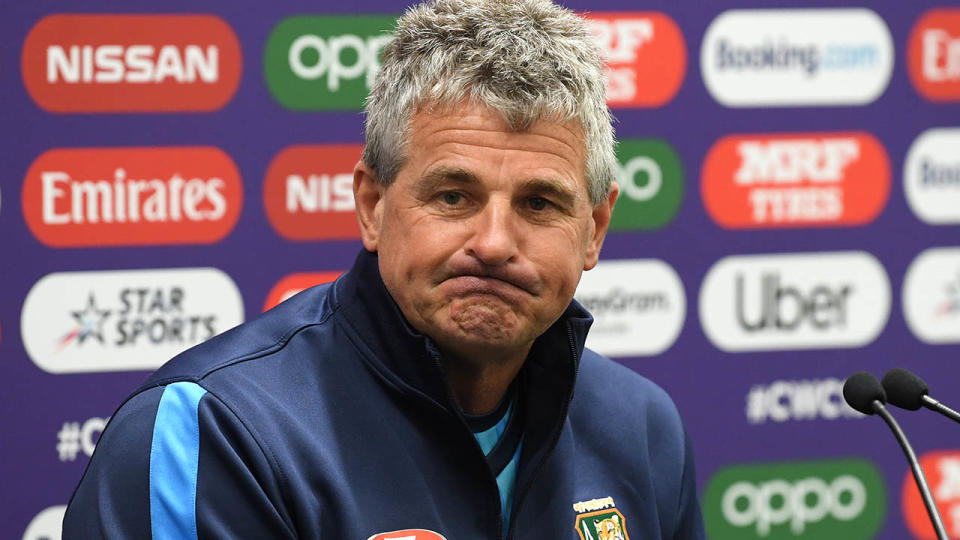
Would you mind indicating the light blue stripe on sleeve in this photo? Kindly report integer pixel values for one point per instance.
(174, 455)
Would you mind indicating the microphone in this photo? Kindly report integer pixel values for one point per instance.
(907, 391)
(863, 392)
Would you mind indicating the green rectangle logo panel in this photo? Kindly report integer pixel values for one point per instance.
(325, 62)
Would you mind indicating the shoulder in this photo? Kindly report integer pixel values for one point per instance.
(260, 338)
(617, 392)
(634, 426)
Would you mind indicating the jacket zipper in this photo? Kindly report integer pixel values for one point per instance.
(496, 488)
(553, 441)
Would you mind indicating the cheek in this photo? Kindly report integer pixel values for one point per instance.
(561, 271)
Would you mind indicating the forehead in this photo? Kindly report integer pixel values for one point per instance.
(474, 134)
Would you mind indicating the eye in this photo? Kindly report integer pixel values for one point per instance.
(452, 197)
(538, 203)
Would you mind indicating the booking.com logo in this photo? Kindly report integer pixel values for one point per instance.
(789, 57)
(784, 55)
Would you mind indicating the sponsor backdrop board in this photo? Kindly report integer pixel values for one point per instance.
(789, 214)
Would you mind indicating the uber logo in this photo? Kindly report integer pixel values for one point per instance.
(795, 301)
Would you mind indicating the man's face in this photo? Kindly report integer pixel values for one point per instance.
(484, 233)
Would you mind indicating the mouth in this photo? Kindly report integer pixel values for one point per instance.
(470, 285)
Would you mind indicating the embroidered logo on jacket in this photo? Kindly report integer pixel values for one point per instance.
(599, 519)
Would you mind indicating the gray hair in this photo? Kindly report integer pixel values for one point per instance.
(529, 60)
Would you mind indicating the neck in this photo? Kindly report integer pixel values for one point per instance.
(479, 384)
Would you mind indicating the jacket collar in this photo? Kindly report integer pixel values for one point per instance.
(410, 361)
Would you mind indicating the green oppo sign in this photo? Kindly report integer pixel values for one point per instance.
(651, 185)
(325, 62)
(795, 500)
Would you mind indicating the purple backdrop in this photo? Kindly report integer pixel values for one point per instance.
(710, 386)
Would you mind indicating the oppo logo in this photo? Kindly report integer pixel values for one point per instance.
(942, 469)
(931, 176)
(295, 283)
(132, 196)
(794, 301)
(308, 192)
(651, 183)
(646, 57)
(128, 63)
(638, 306)
(790, 57)
(795, 180)
(933, 55)
(804, 499)
(931, 296)
(325, 62)
(74, 322)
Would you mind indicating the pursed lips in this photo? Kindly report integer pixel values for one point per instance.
(472, 284)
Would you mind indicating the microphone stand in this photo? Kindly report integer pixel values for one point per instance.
(935, 405)
(918, 476)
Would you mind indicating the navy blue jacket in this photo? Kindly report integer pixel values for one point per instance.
(329, 417)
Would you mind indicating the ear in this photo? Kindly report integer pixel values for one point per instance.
(601, 221)
(368, 195)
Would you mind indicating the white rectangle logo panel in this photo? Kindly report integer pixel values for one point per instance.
(792, 57)
(931, 175)
(931, 295)
(794, 301)
(125, 319)
(638, 306)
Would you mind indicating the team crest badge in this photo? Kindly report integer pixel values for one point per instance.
(598, 519)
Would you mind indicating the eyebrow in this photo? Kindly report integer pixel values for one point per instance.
(433, 179)
(552, 188)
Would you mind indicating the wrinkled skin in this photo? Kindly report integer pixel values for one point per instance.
(482, 238)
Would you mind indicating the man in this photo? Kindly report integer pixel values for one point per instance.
(428, 393)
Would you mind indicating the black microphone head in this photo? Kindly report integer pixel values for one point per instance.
(861, 389)
(904, 389)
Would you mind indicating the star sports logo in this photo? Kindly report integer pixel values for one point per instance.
(89, 321)
(931, 295)
(951, 304)
(119, 320)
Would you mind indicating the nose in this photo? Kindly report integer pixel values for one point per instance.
(493, 241)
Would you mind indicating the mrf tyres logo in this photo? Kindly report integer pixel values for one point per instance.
(646, 57)
(122, 320)
(842, 498)
(308, 192)
(795, 180)
(790, 57)
(638, 306)
(325, 62)
(651, 185)
(83, 197)
(933, 55)
(931, 296)
(942, 469)
(808, 399)
(931, 175)
(795, 301)
(131, 63)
